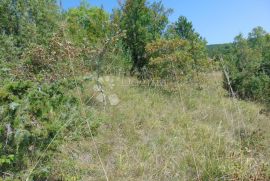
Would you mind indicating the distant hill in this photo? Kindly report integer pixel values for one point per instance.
(218, 49)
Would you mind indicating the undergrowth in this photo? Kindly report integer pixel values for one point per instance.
(32, 116)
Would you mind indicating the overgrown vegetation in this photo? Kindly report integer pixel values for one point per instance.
(248, 66)
(58, 67)
(30, 119)
(172, 132)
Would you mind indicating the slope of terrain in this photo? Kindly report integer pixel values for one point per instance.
(166, 132)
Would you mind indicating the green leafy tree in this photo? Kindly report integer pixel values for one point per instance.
(257, 37)
(143, 23)
(87, 23)
(169, 59)
(29, 21)
(183, 29)
(135, 21)
(158, 19)
(249, 68)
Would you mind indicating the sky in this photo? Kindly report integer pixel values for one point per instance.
(219, 21)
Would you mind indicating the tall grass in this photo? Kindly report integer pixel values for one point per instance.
(168, 132)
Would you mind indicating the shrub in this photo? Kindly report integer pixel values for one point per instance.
(8, 50)
(54, 60)
(248, 68)
(173, 59)
(31, 117)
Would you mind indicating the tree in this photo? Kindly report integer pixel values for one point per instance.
(169, 59)
(183, 29)
(265, 67)
(26, 22)
(143, 23)
(85, 22)
(249, 66)
(158, 19)
(135, 21)
(257, 37)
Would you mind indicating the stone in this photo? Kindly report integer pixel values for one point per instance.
(101, 98)
(97, 88)
(114, 100)
(8, 129)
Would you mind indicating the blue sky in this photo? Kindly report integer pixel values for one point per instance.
(219, 21)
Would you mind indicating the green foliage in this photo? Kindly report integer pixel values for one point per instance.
(158, 19)
(218, 50)
(87, 23)
(42, 51)
(45, 60)
(29, 121)
(135, 21)
(116, 61)
(173, 59)
(169, 59)
(143, 24)
(183, 29)
(28, 21)
(8, 49)
(249, 66)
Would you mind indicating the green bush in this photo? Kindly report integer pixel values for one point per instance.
(174, 59)
(8, 49)
(249, 68)
(30, 118)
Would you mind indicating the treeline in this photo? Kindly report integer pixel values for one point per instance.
(248, 66)
(217, 50)
(38, 35)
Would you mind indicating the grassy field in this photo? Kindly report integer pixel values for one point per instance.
(166, 132)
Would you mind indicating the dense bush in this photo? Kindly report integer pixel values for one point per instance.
(8, 49)
(30, 118)
(169, 59)
(36, 67)
(87, 23)
(143, 23)
(174, 59)
(48, 58)
(28, 21)
(249, 68)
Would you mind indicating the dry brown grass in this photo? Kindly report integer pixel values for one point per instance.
(158, 134)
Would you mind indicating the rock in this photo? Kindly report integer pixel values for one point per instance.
(97, 88)
(114, 100)
(8, 129)
(101, 98)
(13, 106)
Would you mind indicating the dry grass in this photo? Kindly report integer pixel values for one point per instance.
(159, 134)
